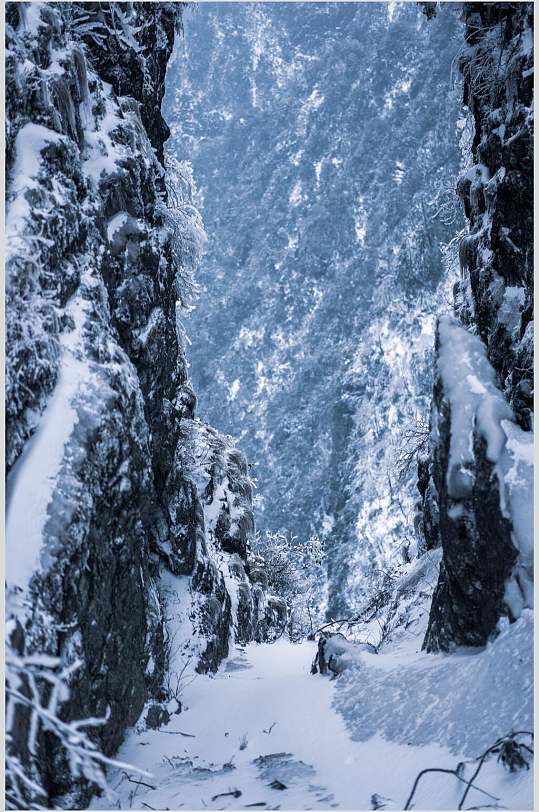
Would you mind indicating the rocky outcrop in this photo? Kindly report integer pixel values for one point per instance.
(496, 292)
(232, 587)
(481, 467)
(476, 482)
(112, 481)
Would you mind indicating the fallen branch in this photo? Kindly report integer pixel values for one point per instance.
(450, 772)
(178, 733)
(496, 747)
(140, 783)
(235, 793)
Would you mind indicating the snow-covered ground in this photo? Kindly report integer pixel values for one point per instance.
(265, 733)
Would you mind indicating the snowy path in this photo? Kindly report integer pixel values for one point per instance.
(30, 485)
(263, 719)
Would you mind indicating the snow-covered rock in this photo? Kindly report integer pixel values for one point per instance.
(482, 473)
(102, 506)
(496, 290)
(476, 481)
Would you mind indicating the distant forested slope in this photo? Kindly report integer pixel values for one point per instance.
(325, 147)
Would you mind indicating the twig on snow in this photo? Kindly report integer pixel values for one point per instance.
(140, 783)
(235, 793)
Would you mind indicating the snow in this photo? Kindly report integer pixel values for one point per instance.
(116, 223)
(516, 468)
(31, 483)
(412, 697)
(264, 717)
(233, 389)
(29, 143)
(31, 17)
(519, 479)
(102, 154)
(511, 309)
(185, 646)
(155, 317)
(30, 140)
(295, 195)
(475, 401)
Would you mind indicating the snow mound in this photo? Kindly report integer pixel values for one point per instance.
(463, 701)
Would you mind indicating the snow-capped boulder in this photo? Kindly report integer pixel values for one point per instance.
(482, 473)
(336, 654)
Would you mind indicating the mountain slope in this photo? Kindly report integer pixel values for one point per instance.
(323, 142)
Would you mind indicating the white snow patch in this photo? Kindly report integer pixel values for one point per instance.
(31, 17)
(328, 523)
(102, 154)
(31, 483)
(233, 389)
(295, 195)
(310, 105)
(116, 223)
(29, 143)
(476, 402)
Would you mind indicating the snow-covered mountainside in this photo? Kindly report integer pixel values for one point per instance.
(324, 141)
(116, 492)
(367, 340)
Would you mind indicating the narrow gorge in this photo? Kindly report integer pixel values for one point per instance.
(269, 405)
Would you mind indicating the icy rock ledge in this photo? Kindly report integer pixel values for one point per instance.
(481, 472)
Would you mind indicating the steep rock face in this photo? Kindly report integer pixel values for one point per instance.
(101, 495)
(497, 193)
(476, 482)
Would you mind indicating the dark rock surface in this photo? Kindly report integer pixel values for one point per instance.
(465, 504)
(94, 277)
(157, 717)
(497, 193)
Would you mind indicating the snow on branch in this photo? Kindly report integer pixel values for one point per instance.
(513, 753)
(36, 687)
(182, 220)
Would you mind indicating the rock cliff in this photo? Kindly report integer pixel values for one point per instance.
(476, 481)
(115, 490)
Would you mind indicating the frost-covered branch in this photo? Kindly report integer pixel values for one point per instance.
(511, 753)
(295, 573)
(183, 222)
(36, 687)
